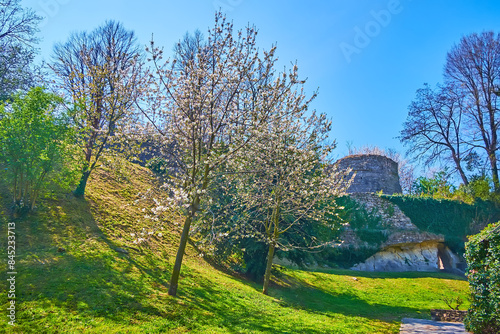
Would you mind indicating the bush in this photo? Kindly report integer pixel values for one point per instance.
(483, 259)
(35, 146)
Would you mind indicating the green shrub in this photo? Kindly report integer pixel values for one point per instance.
(436, 186)
(35, 146)
(483, 260)
(157, 165)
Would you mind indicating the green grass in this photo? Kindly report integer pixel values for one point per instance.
(92, 288)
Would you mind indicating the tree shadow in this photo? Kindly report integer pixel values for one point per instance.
(65, 261)
(406, 274)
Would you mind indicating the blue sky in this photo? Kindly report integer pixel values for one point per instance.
(367, 57)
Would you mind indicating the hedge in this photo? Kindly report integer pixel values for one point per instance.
(483, 261)
(453, 219)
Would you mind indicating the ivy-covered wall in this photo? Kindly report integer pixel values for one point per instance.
(453, 219)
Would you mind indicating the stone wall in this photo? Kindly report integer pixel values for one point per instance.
(404, 257)
(374, 173)
(407, 248)
(448, 315)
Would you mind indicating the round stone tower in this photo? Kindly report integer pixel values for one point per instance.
(373, 173)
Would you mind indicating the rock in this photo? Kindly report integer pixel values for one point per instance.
(412, 257)
(448, 315)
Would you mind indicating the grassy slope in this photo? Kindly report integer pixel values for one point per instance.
(92, 288)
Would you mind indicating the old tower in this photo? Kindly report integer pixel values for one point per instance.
(374, 173)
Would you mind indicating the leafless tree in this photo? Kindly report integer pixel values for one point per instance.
(18, 28)
(433, 129)
(101, 73)
(473, 71)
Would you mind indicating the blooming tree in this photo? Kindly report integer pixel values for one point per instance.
(208, 109)
(287, 179)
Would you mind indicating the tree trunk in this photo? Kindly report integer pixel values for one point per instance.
(494, 171)
(267, 275)
(461, 172)
(172, 290)
(80, 190)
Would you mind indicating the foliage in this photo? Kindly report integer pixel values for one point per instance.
(366, 224)
(35, 142)
(101, 74)
(437, 186)
(480, 186)
(157, 165)
(483, 260)
(18, 26)
(454, 219)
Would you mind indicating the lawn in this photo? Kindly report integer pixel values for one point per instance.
(79, 272)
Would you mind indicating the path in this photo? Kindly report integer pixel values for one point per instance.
(416, 326)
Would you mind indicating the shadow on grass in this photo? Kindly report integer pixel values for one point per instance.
(409, 274)
(241, 312)
(318, 300)
(64, 261)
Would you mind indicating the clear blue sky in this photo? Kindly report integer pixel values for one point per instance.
(366, 79)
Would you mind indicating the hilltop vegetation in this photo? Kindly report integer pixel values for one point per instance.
(79, 271)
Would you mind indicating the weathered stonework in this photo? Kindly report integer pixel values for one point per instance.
(404, 257)
(406, 248)
(374, 173)
(391, 214)
(448, 315)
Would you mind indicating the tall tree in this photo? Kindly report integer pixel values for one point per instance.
(101, 73)
(434, 128)
(208, 110)
(18, 28)
(188, 49)
(288, 180)
(473, 68)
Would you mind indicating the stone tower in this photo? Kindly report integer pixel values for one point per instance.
(373, 174)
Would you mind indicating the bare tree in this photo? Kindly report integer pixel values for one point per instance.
(18, 28)
(188, 49)
(101, 73)
(433, 128)
(473, 70)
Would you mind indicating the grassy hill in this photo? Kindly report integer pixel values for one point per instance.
(80, 272)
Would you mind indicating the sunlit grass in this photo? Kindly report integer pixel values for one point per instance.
(72, 279)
